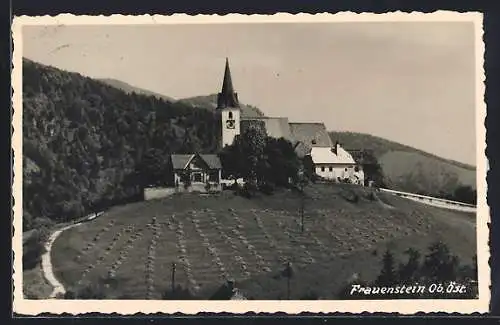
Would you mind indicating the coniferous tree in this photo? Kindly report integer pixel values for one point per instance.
(388, 275)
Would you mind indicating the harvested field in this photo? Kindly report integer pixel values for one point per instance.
(131, 248)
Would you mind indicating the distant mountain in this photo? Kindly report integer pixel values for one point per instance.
(210, 101)
(410, 169)
(127, 88)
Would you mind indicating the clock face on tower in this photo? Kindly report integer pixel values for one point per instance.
(230, 124)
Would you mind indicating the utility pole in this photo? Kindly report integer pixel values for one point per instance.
(288, 288)
(288, 273)
(173, 277)
(302, 184)
(302, 210)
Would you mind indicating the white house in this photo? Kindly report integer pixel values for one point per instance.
(335, 163)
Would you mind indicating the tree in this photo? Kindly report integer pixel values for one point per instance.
(252, 143)
(410, 271)
(232, 160)
(308, 168)
(439, 264)
(388, 275)
(282, 163)
(465, 194)
(371, 168)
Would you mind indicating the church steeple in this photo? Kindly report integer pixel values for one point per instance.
(227, 98)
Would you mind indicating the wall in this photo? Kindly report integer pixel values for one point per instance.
(157, 192)
(441, 203)
(161, 192)
(337, 171)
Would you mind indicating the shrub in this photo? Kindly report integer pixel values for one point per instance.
(350, 196)
(34, 248)
(248, 190)
(267, 188)
(371, 196)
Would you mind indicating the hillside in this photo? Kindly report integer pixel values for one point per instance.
(205, 102)
(213, 238)
(85, 143)
(210, 101)
(129, 89)
(410, 169)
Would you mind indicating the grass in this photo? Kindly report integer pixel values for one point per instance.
(34, 284)
(212, 238)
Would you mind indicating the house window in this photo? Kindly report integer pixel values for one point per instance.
(197, 177)
(213, 176)
(322, 169)
(230, 115)
(330, 169)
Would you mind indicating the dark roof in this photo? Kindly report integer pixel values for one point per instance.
(311, 134)
(212, 161)
(181, 161)
(227, 97)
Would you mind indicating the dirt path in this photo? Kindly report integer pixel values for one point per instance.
(47, 269)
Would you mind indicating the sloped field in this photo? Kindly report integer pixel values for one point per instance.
(213, 238)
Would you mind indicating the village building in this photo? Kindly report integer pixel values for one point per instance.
(203, 172)
(331, 161)
(196, 172)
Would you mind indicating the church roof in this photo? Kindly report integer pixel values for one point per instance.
(276, 127)
(181, 161)
(311, 134)
(227, 97)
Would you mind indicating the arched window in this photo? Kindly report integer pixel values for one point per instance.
(230, 115)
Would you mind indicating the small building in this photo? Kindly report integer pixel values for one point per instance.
(195, 171)
(336, 164)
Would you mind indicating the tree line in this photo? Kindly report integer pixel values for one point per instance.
(439, 271)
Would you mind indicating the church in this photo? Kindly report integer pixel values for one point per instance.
(331, 161)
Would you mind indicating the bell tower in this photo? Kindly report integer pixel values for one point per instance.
(228, 108)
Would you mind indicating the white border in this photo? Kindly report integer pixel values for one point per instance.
(128, 307)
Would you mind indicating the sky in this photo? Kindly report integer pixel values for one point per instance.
(410, 82)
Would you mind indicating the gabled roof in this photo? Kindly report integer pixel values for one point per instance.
(311, 134)
(212, 161)
(324, 155)
(181, 161)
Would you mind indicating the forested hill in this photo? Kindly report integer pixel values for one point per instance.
(210, 101)
(203, 102)
(129, 89)
(408, 169)
(85, 142)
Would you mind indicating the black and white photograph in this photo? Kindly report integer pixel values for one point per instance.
(250, 163)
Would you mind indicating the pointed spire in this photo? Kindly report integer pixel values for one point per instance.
(227, 84)
(227, 97)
